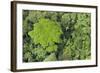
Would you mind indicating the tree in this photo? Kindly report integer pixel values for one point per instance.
(46, 33)
(79, 42)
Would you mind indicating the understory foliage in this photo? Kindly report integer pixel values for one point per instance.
(56, 36)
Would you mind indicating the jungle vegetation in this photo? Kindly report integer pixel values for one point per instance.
(56, 36)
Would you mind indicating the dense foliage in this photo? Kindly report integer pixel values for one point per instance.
(54, 36)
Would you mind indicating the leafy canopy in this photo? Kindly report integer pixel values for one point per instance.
(56, 36)
(46, 32)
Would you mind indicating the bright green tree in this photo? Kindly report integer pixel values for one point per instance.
(46, 33)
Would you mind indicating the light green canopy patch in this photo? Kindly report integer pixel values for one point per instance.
(46, 32)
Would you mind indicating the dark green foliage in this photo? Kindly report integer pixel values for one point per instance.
(54, 36)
